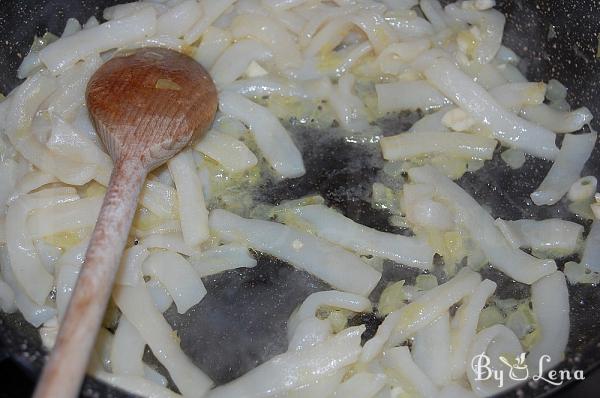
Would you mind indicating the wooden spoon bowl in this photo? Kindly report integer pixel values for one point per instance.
(153, 102)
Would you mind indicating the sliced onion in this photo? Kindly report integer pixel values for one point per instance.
(574, 153)
(334, 265)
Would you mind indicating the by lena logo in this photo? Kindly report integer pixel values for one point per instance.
(518, 370)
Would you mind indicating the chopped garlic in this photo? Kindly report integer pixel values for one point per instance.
(457, 120)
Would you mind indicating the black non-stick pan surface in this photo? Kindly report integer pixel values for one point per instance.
(241, 322)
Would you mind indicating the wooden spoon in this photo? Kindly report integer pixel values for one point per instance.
(146, 106)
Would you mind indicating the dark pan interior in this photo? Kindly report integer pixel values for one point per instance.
(241, 322)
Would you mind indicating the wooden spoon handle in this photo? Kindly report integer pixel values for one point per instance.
(64, 372)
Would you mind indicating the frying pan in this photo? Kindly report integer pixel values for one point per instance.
(241, 322)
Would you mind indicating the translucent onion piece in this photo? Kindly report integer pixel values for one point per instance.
(222, 258)
(136, 385)
(67, 141)
(178, 277)
(334, 265)
(481, 106)
(232, 154)
(434, 13)
(553, 237)
(514, 158)
(513, 262)
(431, 122)
(431, 350)
(66, 101)
(127, 350)
(350, 110)
(336, 228)
(591, 251)
(491, 28)
(309, 332)
(211, 10)
(271, 137)
(190, 196)
(178, 20)
(66, 278)
(583, 189)
(130, 270)
(394, 57)
(160, 295)
(332, 298)
(361, 385)
(464, 326)
(411, 145)
(407, 320)
(550, 300)
(30, 182)
(136, 304)
(515, 96)
(409, 95)
(398, 361)
(159, 198)
(495, 342)
(557, 121)
(64, 53)
(120, 11)
(410, 26)
(214, 42)
(574, 153)
(33, 313)
(266, 85)
(63, 217)
(293, 370)
(7, 298)
(24, 257)
(235, 59)
(273, 34)
(170, 241)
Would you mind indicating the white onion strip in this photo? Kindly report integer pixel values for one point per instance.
(513, 262)
(411, 95)
(575, 151)
(292, 370)
(431, 350)
(190, 197)
(495, 342)
(232, 154)
(127, 350)
(410, 145)
(136, 304)
(550, 300)
(557, 121)
(481, 106)
(464, 326)
(334, 227)
(591, 251)
(332, 264)
(331, 298)
(413, 379)
(271, 137)
(406, 321)
(24, 257)
(211, 10)
(71, 216)
(222, 258)
(64, 53)
(177, 276)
